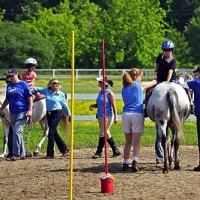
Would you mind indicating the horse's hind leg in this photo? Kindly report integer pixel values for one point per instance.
(169, 152)
(176, 147)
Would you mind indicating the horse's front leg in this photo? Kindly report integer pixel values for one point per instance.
(45, 128)
(176, 148)
(5, 139)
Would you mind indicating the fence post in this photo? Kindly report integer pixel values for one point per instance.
(54, 73)
(99, 72)
(76, 74)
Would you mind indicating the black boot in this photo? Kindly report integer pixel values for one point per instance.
(115, 150)
(99, 148)
(198, 167)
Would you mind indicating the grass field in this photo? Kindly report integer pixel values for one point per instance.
(86, 135)
(86, 132)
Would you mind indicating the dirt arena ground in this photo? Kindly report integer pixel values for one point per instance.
(36, 178)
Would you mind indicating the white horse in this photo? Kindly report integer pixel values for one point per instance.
(168, 107)
(39, 115)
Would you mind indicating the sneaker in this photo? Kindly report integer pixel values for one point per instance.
(49, 157)
(125, 167)
(135, 166)
(159, 161)
(197, 169)
(15, 158)
(96, 156)
(116, 153)
(66, 153)
(28, 154)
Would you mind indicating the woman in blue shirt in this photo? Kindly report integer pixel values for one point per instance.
(110, 111)
(194, 85)
(56, 104)
(20, 101)
(133, 116)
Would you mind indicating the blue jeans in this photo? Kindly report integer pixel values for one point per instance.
(18, 121)
(53, 119)
(158, 149)
(198, 132)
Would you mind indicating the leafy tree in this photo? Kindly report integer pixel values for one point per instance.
(179, 12)
(182, 48)
(193, 34)
(16, 44)
(17, 10)
(133, 33)
(56, 25)
(88, 31)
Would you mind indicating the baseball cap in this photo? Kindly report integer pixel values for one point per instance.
(101, 80)
(196, 70)
(11, 72)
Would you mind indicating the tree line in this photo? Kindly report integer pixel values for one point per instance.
(133, 32)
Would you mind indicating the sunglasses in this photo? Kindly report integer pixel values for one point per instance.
(56, 83)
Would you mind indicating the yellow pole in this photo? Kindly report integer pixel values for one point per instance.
(72, 118)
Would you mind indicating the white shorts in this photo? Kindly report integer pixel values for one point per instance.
(132, 122)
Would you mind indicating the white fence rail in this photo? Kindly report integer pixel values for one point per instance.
(89, 73)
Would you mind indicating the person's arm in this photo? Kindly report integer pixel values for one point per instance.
(64, 105)
(148, 84)
(30, 100)
(169, 75)
(113, 103)
(92, 106)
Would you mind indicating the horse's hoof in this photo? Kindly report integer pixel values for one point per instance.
(177, 167)
(2, 158)
(165, 171)
(36, 154)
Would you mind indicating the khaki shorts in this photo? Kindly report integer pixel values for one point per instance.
(132, 122)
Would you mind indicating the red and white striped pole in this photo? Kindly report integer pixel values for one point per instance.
(104, 103)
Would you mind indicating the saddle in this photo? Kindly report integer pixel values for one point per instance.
(37, 96)
(148, 94)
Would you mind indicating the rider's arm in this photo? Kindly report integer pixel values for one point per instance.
(169, 75)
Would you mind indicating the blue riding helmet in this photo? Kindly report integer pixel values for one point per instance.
(168, 45)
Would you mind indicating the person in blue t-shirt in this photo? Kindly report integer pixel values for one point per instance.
(194, 85)
(56, 105)
(133, 114)
(111, 115)
(20, 101)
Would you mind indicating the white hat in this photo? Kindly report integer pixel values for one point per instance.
(101, 80)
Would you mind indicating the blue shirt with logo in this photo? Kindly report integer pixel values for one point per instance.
(18, 95)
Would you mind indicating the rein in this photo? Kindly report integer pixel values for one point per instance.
(6, 120)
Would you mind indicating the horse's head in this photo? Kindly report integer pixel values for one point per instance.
(186, 76)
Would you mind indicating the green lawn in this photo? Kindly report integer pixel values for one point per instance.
(86, 135)
(86, 132)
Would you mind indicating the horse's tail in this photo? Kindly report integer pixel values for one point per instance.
(64, 123)
(174, 109)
